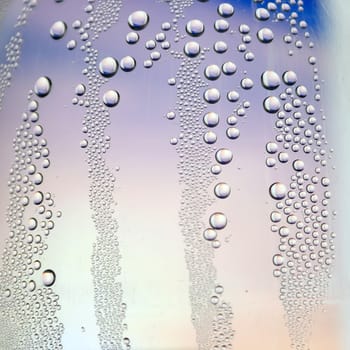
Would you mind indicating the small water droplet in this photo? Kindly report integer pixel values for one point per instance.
(212, 72)
(270, 80)
(108, 67)
(222, 190)
(272, 104)
(212, 95)
(265, 35)
(209, 234)
(195, 27)
(278, 190)
(223, 156)
(42, 86)
(277, 260)
(127, 63)
(192, 49)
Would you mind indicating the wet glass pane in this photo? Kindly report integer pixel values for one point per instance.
(173, 175)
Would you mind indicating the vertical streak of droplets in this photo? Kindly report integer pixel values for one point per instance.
(109, 308)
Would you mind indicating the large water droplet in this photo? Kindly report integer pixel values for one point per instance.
(195, 27)
(229, 68)
(58, 30)
(272, 104)
(262, 14)
(211, 119)
(278, 190)
(270, 80)
(218, 221)
(223, 156)
(127, 63)
(42, 86)
(212, 95)
(212, 72)
(192, 49)
(226, 10)
(48, 278)
(289, 77)
(108, 67)
(111, 98)
(222, 190)
(138, 20)
(265, 35)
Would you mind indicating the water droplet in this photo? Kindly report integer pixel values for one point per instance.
(272, 104)
(223, 156)
(38, 198)
(289, 77)
(215, 169)
(226, 10)
(210, 137)
(270, 80)
(218, 221)
(132, 38)
(108, 67)
(278, 190)
(233, 96)
(220, 47)
(42, 86)
(195, 27)
(301, 91)
(127, 63)
(271, 147)
(262, 14)
(111, 98)
(80, 89)
(84, 143)
(214, 299)
(222, 190)
(212, 72)
(48, 278)
(219, 289)
(209, 234)
(171, 115)
(229, 68)
(192, 49)
(232, 133)
(138, 20)
(32, 224)
(211, 119)
(247, 83)
(298, 165)
(58, 30)
(71, 45)
(221, 25)
(212, 95)
(277, 260)
(265, 35)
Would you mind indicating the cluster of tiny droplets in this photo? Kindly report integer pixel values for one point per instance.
(306, 249)
(109, 308)
(28, 304)
(13, 54)
(27, 8)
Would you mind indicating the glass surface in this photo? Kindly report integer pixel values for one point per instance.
(173, 175)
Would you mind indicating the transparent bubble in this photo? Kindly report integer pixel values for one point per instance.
(221, 25)
(271, 147)
(212, 72)
(225, 10)
(218, 221)
(192, 49)
(210, 137)
(212, 95)
(270, 80)
(108, 67)
(272, 104)
(111, 98)
(42, 86)
(138, 20)
(223, 156)
(233, 133)
(265, 35)
(195, 27)
(278, 260)
(211, 119)
(222, 190)
(289, 77)
(278, 190)
(210, 234)
(132, 38)
(48, 278)
(58, 30)
(127, 63)
(229, 68)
